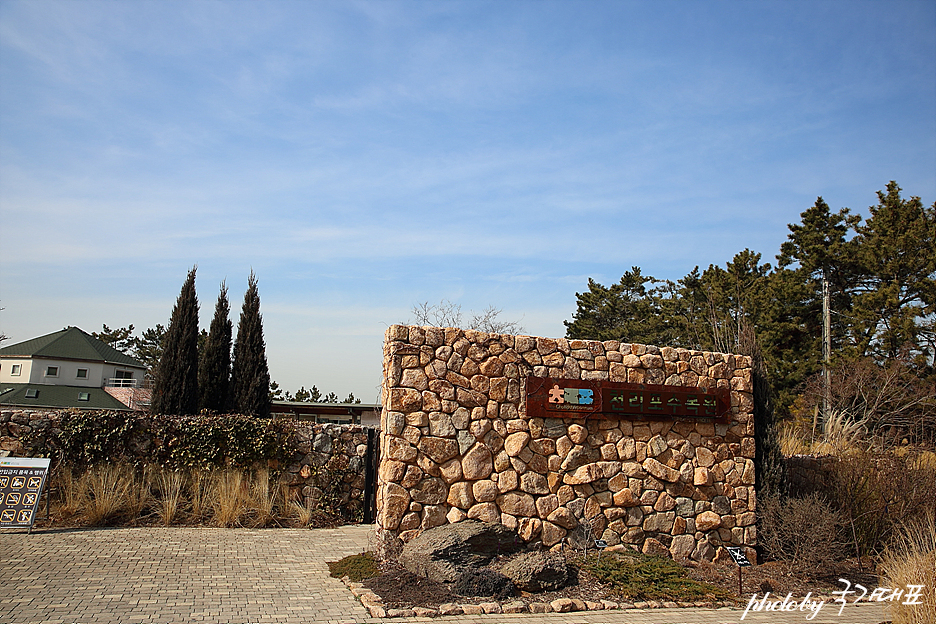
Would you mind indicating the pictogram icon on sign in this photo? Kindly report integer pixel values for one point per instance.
(13, 498)
(18, 482)
(7, 515)
(34, 483)
(30, 499)
(4, 481)
(25, 515)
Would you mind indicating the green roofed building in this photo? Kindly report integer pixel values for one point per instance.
(71, 368)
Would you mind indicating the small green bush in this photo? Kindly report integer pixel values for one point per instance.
(635, 576)
(355, 567)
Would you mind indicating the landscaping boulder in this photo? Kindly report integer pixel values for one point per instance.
(441, 553)
(538, 571)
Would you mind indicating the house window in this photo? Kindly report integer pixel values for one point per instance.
(52, 371)
(16, 370)
(82, 373)
(32, 393)
(123, 374)
(84, 396)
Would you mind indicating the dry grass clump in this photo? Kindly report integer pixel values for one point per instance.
(229, 502)
(841, 434)
(911, 560)
(262, 499)
(169, 505)
(110, 494)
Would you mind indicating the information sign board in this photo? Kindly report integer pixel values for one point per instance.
(566, 398)
(21, 483)
(737, 553)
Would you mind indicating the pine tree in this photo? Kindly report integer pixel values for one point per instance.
(250, 377)
(176, 386)
(895, 298)
(625, 311)
(214, 366)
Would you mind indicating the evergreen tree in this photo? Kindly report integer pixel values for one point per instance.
(214, 366)
(176, 385)
(882, 279)
(250, 377)
(895, 297)
(120, 338)
(149, 347)
(627, 311)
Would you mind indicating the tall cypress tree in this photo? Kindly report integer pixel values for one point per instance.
(250, 377)
(214, 366)
(176, 385)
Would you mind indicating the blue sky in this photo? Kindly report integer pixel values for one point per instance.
(361, 157)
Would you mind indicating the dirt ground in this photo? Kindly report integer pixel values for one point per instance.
(401, 589)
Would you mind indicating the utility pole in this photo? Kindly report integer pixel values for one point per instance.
(826, 348)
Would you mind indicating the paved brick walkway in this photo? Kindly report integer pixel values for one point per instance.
(240, 576)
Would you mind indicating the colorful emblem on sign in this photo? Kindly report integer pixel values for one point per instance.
(571, 396)
(607, 399)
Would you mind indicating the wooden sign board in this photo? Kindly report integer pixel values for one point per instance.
(566, 398)
(21, 483)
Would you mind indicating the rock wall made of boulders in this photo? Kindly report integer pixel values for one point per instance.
(323, 453)
(456, 443)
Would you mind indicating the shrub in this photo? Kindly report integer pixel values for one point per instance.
(878, 492)
(85, 438)
(356, 567)
(804, 532)
(635, 576)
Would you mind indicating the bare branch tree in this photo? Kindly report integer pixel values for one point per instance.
(449, 314)
(443, 314)
(488, 321)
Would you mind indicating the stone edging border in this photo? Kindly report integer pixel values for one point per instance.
(375, 606)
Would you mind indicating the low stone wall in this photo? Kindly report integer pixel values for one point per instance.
(321, 451)
(806, 473)
(457, 443)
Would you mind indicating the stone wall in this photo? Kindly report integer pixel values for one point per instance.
(457, 443)
(321, 451)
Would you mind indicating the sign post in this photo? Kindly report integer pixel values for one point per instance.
(21, 482)
(737, 553)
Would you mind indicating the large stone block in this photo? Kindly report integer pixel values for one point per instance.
(438, 450)
(660, 471)
(441, 552)
(477, 463)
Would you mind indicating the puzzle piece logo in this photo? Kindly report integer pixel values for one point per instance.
(571, 396)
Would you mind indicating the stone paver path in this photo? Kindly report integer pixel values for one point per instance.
(242, 576)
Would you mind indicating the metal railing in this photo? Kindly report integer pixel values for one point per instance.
(122, 382)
